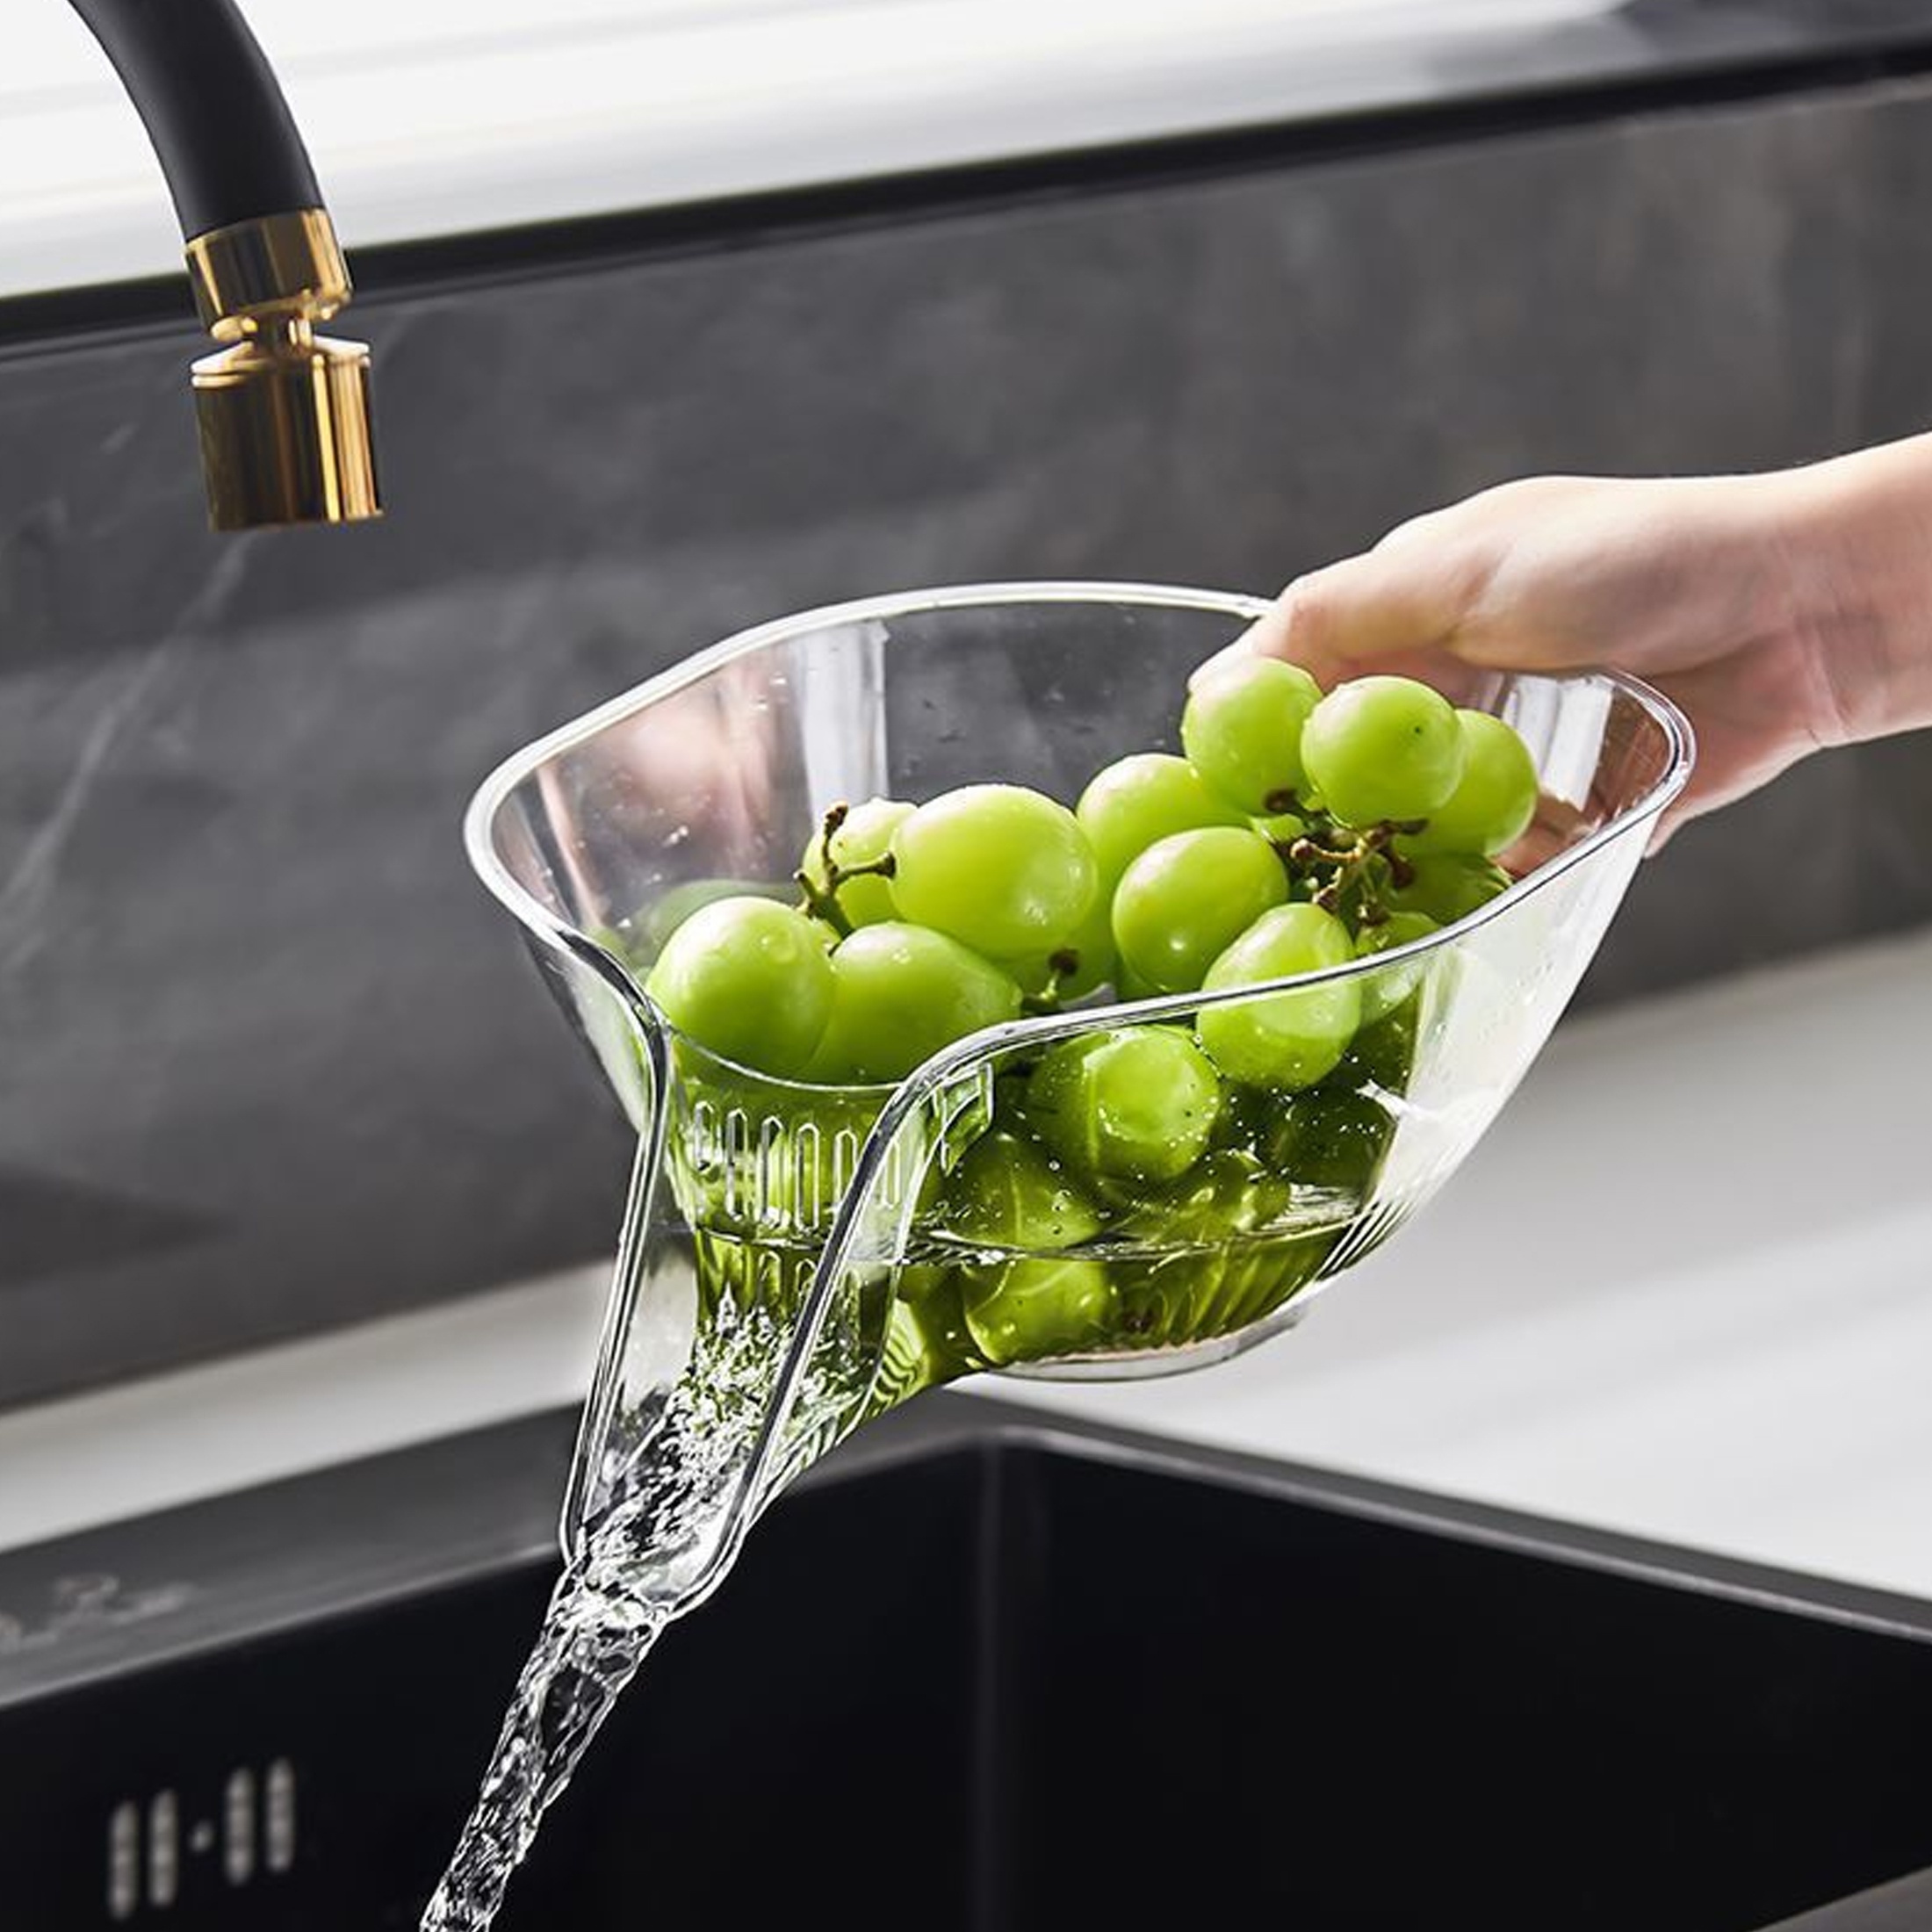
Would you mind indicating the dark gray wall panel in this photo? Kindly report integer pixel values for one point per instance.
(268, 1058)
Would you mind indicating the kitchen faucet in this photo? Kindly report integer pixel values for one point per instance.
(283, 412)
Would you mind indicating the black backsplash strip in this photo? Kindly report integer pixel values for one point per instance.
(249, 996)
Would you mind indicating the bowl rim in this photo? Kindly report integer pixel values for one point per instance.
(488, 801)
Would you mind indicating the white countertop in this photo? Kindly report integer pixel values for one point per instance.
(1683, 1289)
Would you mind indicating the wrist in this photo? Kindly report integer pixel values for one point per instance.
(1855, 535)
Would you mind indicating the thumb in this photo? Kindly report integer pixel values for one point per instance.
(1385, 609)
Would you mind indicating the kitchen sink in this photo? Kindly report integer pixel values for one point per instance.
(981, 1671)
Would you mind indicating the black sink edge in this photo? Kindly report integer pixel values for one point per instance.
(313, 1557)
(351, 1539)
(1670, 1565)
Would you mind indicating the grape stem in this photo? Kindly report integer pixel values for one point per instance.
(1344, 863)
(1061, 966)
(1309, 852)
(821, 902)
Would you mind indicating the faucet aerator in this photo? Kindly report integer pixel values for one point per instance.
(284, 413)
(285, 432)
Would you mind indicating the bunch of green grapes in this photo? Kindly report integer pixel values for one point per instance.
(1133, 1184)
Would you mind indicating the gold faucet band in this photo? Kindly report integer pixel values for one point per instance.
(277, 264)
(283, 412)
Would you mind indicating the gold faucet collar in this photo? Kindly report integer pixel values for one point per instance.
(284, 413)
(277, 264)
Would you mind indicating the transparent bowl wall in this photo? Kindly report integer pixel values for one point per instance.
(826, 1210)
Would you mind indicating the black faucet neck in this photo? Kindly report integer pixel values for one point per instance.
(213, 109)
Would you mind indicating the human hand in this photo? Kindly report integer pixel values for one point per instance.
(1771, 608)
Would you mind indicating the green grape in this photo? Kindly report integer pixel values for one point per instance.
(1028, 1311)
(1216, 1262)
(1280, 827)
(1006, 870)
(1496, 799)
(1140, 799)
(1447, 886)
(912, 1358)
(750, 981)
(1329, 1138)
(921, 1284)
(901, 992)
(942, 1319)
(1382, 993)
(1031, 974)
(1090, 946)
(1381, 1055)
(1383, 748)
(641, 938)
(1284, 1040)
(1228, 1196)
(1242, 730)
(1006, 1194)
(1187, 897)
(1135, 1103)
(1171, 1290)
(862, 839)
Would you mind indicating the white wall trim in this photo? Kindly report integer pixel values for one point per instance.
(166, 1439)
(429, 120)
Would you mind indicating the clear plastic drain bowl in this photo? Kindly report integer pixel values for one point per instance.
(826, 1206)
